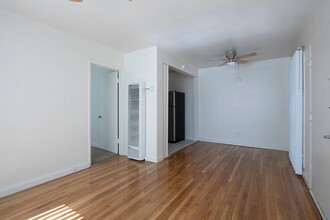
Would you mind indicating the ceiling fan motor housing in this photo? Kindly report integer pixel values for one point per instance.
(231, 55)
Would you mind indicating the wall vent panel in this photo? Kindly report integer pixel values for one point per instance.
(136, 121)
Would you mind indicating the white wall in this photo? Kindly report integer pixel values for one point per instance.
(253, 112)
(317, 35)
(44, 109)
(104, 103)
(183, 83)
(147, 66)
(321, 119)
(141, 66)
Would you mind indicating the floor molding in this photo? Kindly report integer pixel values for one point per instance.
(318, 205)
(31, 183)
(243, 144)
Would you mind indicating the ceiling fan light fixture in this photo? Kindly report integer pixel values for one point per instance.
(232, 59)
(232, 63)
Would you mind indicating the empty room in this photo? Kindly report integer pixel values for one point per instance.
(140, 109)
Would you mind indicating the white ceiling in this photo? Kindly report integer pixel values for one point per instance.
(195, 30)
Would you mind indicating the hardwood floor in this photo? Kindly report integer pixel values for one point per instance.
(203, 181)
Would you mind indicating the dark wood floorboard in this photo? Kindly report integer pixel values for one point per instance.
(203, 181)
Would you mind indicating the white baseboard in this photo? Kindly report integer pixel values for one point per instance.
(31, 183)
(318, 205)
(95, 145)
(154, 159)
(306, 179)
(122, 153)
(244, 144)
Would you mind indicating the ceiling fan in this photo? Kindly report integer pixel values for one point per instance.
(232, 58)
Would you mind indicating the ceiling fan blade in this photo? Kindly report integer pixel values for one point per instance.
(224, 63)
(246, 55)
(242, 61)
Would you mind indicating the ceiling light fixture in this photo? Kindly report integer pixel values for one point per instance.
(76, 0)
(232, 63)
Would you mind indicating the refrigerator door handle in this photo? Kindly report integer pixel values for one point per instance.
(174, 127)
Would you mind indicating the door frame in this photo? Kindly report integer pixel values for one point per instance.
(120, 100)
(308, 117)
(166, 72)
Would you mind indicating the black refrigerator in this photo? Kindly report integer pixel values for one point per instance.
(176, 117)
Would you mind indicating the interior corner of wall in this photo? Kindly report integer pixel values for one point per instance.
(154, 159)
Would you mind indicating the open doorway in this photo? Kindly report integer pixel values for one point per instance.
(104, 113)
(180, 110)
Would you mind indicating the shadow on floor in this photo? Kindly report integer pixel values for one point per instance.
(99, 154)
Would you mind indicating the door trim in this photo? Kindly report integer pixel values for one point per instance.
(121, 119)
(166, 70)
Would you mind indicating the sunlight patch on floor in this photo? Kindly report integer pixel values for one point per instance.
(61, 212)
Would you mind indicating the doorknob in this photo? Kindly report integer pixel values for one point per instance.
(326, 136)
(100, 116)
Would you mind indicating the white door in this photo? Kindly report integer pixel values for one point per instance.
(296, 112)
(109, 120)
(104, 108)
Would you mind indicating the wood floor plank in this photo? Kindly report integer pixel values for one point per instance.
(203, 181)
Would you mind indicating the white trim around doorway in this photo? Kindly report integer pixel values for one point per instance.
(121, 124)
